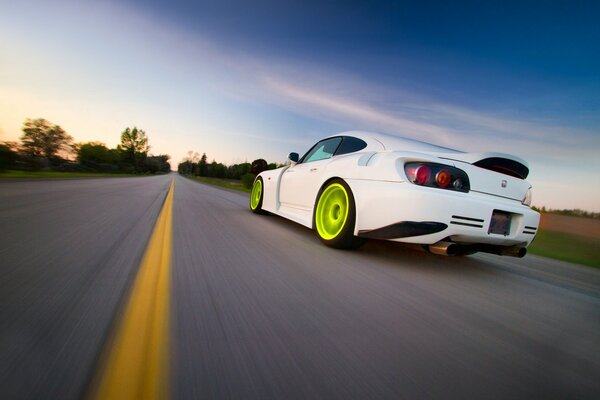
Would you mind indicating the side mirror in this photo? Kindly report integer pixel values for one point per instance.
(293, 157)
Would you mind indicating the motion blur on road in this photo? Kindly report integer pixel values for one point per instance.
(260, 309)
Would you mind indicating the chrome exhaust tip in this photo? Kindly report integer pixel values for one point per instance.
(443, 248)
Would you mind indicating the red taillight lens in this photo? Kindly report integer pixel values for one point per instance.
(443, 178)
(423, 174)
(436, 175)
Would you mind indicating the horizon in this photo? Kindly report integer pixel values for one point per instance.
(242, 81)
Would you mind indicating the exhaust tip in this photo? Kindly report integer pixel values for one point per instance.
(452, 250)
(514, 251)
(443, 248)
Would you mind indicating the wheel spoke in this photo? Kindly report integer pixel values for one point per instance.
(332, 211)
(256, 194)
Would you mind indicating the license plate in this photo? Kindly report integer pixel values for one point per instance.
(500, 224)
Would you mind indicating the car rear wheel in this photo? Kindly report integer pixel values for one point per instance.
(335, 216)
(256, 196)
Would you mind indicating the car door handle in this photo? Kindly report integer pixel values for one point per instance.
(313, 169)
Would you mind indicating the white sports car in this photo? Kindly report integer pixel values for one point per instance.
(358, 185)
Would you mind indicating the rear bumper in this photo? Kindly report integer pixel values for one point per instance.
(413, 214)
(404, 229)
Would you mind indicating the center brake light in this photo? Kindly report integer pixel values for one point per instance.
(437, 176)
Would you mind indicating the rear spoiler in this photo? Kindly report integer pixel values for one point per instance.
(506, 164)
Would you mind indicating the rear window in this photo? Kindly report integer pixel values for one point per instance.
(350, 145)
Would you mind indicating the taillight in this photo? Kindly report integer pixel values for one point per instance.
(442, 178)
(438, 176)
(527, 199)
(423, 174)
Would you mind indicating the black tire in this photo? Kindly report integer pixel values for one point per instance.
(328, 217)
(257, 201)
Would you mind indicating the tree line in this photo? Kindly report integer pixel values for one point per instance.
(197, 165)
(571, 212)
(46, 146)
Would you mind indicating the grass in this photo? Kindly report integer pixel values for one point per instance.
(55, 174)
(224, 183)
(567, 247)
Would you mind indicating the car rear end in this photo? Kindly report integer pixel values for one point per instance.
(456, 205)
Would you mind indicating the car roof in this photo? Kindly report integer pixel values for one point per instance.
(380, 141)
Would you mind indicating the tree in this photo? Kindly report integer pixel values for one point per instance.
(44, 139)
(160, 163)
(237, 170)
(258, 166)
(216, 170)
(134, 147)
(97, 156)
(202, 166)
(189, 165)
(8, 155)
(185, 167)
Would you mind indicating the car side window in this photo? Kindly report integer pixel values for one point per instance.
(322, 150)
(350, 145)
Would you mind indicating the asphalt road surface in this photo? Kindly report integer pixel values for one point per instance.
(260, 309)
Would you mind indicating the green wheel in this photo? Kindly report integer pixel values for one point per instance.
(256, 196)
(335, 216)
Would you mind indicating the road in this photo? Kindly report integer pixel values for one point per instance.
(259, 309)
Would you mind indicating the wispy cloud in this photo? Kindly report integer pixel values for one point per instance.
(330, 106)
(427, 119)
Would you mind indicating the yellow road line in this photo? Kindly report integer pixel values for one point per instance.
(137, 365)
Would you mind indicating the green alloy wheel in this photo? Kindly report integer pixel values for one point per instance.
(335, 216)
(256, 197)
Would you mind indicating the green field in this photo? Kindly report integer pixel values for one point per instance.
(224, 183)
(55, 174)
(567, 247)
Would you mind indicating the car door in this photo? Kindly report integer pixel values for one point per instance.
(300, 182)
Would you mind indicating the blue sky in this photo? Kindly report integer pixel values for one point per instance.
(241, 80)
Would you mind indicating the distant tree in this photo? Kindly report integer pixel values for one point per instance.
(8, 155)
(134, 147)
(96, 152)
(216, 170)
(43, 139)
(258, 166)
(185, 167)
(160, 163)
(189, 165)
(202, 166)
(236, 171)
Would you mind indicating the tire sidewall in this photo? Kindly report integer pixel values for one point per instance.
(258, 209)
(345, 239)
